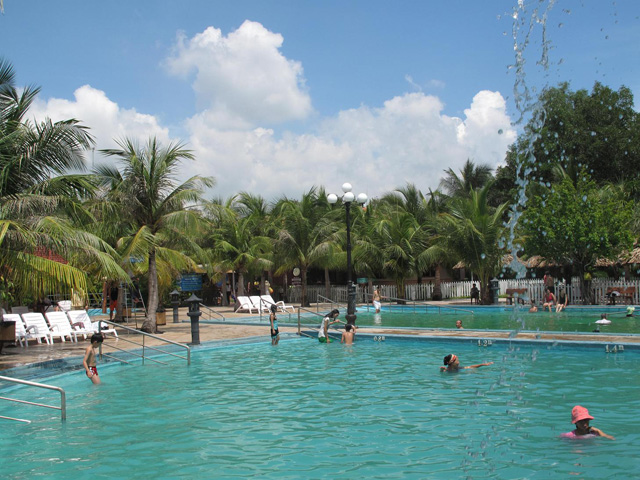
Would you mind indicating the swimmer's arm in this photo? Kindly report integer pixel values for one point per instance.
(600, 433)
(342, 339)
(480, 365)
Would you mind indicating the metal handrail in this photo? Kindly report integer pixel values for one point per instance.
(312, 313)
(63, 398)
(328, 300)
(212, 311)
(422, 302)
(144, 336)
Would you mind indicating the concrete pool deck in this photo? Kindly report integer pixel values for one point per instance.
(181, 332)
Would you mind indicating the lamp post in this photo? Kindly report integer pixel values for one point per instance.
(194, 314)
(347, 198)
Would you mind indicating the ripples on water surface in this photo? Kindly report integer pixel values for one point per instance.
(306, 410)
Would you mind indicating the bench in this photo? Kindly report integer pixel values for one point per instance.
(521, 292)
(626, 294)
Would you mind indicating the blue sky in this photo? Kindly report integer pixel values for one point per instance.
(274, 97)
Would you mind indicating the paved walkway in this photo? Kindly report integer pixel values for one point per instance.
(181, 332)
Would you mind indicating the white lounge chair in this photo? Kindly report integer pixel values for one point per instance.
(59, 323)
(268, 300)
(65, 305)
(81, 321)
(39, 325)
(258, 303)
(21, 331)
(245, 305)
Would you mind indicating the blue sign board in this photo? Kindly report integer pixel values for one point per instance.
(191, 282)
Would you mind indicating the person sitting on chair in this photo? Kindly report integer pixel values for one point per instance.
(475, 293)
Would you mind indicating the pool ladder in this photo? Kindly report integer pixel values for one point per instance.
(63, 398)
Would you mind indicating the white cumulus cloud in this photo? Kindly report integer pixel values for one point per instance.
(408, 139)
(107, 121)
(242, 80)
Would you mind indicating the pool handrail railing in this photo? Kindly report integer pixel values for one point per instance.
(415, 303)
(63, 398)
(211, 311)
(143, 345)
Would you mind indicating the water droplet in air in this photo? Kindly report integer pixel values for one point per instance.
(584, 198)
(483, 256)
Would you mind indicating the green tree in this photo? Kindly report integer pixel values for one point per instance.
(471, 177)
(161, 213)
(40, 201)
(471, 230)
(598, 131)
(577, 225)
(303, 240)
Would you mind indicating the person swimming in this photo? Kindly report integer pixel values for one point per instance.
(452, 364)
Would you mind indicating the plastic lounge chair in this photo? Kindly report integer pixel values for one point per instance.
(65, 305)
(21, 331)
(258, 304)
(245, 305)
(59, 323)
(81, 321)
(39, 325)
(268, 300)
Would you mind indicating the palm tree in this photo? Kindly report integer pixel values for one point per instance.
(160, 213)
(235, 246)
(302, 240)
(40, 202)
(471, 177)
(472, 231)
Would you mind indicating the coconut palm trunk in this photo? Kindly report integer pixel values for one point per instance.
(149, 324)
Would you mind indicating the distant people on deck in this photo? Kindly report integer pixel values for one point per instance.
(563, 300)
(113, 300)
(549, 300)
(549, 282)
(475, 294)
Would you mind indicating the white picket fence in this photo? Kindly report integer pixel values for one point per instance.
(450, 290)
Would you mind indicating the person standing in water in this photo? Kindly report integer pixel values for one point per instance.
(580, 418)
(348, 334)
(273, 319)
(376, 300)
(89, 360)
(331, 318)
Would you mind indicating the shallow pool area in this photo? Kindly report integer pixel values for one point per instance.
(576, 319)
(376, 409)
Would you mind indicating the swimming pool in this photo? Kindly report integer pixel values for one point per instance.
(501, 318)
(372, 410)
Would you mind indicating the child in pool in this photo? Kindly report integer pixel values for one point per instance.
(89, 360)
(273, 319)
(452, 364)
(580, 418)
(348, 334)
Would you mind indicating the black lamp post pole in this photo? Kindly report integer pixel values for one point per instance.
(351, 288)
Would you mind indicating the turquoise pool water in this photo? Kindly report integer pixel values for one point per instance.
(307, 410)
(489, 318)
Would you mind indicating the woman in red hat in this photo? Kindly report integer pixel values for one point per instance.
(580, 418)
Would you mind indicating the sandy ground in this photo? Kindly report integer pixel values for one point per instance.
(14, 356)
